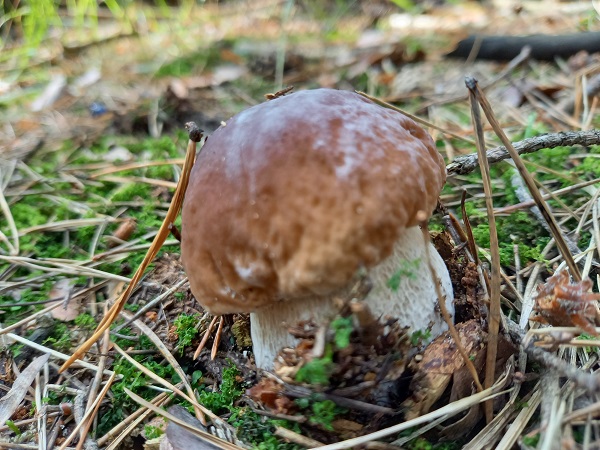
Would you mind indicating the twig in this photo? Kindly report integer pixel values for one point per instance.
(302, 392)
(451, 408)
(468, 163)
(475, 96)
(296, 438)
(205, 337)
(589, 382)
(96, 405)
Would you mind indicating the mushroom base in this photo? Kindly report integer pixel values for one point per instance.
(403, 289)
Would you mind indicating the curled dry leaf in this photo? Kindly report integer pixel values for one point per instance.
(440, 361)
(560, 302)
(269, 393)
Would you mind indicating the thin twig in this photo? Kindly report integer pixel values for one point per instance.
(529, 181)
(205, 337)
(468, 163)
(494, 297)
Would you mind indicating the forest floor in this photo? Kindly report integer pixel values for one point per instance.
(93, 102)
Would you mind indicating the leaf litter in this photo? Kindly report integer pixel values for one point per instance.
(355, 382)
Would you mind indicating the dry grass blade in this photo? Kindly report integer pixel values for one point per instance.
(136, 165)
(89, 414)
(54, 353)
(529, 181)
(468, 228)
(13, 247)
(173, 362)
(53, 266)
(150, 181)
(160, 237)
(291, 436)
(62, 225)
(213, 352)
(520, 422)
(164, 382)
(123, 429)
(494, 316)
(415, 118)
(92, 412)
(451, 409)
(201, 434)
(10, 402)
(205, 337)
(28, 319)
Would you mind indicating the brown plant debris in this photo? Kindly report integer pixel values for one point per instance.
(560, 302)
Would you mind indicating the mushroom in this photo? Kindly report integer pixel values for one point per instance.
(289, 200)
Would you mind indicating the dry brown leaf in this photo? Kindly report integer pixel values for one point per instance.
(440, 361)
(10, 402)
(70, 308)
(269, 393)
(560, 302)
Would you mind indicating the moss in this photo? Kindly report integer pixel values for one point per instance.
(28, 215)
(185, 327)
(164, 172)
(229, 391)
(258, 431)
(131, 192)
(186, 65)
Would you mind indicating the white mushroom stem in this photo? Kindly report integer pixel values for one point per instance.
(414, 302)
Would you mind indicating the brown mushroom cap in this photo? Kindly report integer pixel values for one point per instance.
(291, 197)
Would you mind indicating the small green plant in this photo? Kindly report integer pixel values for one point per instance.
(324, 413)
(532, 441)
(407, 269)
(421, 443)
(318, 370)
(406, 5)
(185, 327)
(258, 431)
(420, 336)
(152, 432)
(85, 321)
(10, 424)
(342, 328)
(16, 349)
(230, 391)
(60, 339)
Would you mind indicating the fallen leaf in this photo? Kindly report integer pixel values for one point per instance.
(440, 360)
(70, 308)
(10, 402)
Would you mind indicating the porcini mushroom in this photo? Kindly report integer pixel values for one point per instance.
(291, 198)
